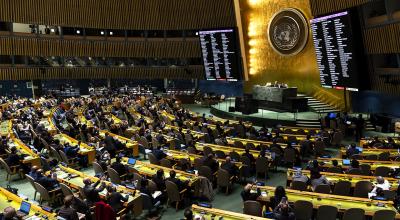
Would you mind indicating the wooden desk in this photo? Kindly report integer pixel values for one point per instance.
(366, 141)
(196, 134)
(371, 151)
(178, 155)
(149, 170)
(31, 158)
(84, 149)
(341, 202)
(74, 179)
(305, 129)
(130, 144)
(231, 141)
(5, 128)
(212, 213)
(227, 149)
(137, 115)
(373, 163)
(8, 199)
(336, 177)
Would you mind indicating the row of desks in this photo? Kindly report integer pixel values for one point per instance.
(327, 162)
(8, 199)
(74, 179)
(372, 151)
(84, 149)
(343, 203)
(336, 177)
(212, 213)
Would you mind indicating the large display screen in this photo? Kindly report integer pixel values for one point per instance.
(221, 54)
(337, 50)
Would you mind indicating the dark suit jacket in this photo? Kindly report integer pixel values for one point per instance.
(68, 213)
(181, 185)
(119, 167)
(213, 164)
(159, 154)
(116, 201)
(92, 193)
(231, 168)
(159, 182)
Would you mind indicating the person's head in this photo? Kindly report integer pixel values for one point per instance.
(172, 174)
(355, 163)
(380, 180)
(315, 174)
(298, 173)
(13, 150)
(118, 159)
(210, 156)
(308, 137)
(353, 145)
(87, 181)
(39, 172)
(68, 200)
(228, 159)
(335, 163)
(188, 214)
(315, 163)
(279, 192)
(111, 188)
(247, 188)
(160, 173)
(247, 150)
(9, 212)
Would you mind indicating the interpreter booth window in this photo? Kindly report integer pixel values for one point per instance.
(114, 33)
(49, 30)
(25, 28)
(136, 33)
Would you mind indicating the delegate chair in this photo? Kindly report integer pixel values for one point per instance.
(384, 215)
(342, 188)
(354, 214)
(303, 210)
(362, 189)
(327, 212)
(253, 208)
(173, 194)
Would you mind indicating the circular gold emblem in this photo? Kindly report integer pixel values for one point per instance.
(288, 32)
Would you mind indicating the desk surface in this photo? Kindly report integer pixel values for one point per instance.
(372, 151)
(373, 163)
(8, 199)
(64, 175)
(227, 149)
(83, 148)
(231, 140)
(212, 213)
(353, 179)
(177, 155)
(151, 169)
(341, 202)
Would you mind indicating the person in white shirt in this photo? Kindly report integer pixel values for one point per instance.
(380, 183)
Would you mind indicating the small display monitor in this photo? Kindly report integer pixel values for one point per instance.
(25, 207)
(346, 162)
(131, 161)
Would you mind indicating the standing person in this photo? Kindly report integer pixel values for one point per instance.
(360, 124)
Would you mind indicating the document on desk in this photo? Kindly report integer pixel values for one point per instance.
(156, 194)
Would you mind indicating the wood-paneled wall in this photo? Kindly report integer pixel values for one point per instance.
(320, 7)
(122, 14)
(57, 47)
(383, 39)
(191, 72)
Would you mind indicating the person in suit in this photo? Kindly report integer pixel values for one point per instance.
(33, 172)
(209, 161)
(172, 177)
(352, 150)
(48, 182)
(159, 180)
(13, 158)
(158, 153)
(119, 167)
(91, 190)
(110, 144)
(246, 194)
(66, 211)
(249, 155)
(115, 199)
(230, 167)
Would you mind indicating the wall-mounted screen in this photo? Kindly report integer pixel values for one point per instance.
(221, 54)
(338, 50)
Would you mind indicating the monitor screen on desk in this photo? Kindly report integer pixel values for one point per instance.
(346, 162)
(25, 207)
(131, 161)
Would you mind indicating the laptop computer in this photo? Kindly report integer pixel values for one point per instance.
(24, 209)
(346, 162)
(131, 161)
